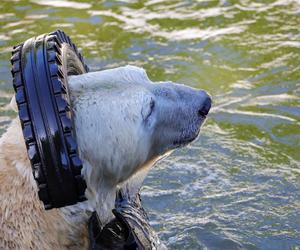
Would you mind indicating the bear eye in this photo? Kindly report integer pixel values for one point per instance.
(148, 110)
(152, 105)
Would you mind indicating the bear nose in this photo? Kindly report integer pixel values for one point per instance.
(205, 106)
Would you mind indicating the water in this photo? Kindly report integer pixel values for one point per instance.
(238, 186)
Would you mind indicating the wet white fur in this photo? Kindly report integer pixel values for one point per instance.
(106, 107)
(119, 138)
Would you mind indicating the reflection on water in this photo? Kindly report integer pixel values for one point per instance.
(237, 187)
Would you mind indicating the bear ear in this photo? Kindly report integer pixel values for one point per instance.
(13, 104)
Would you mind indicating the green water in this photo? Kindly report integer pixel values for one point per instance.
(238, 185)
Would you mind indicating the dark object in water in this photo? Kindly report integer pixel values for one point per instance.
(129, 230)
(40, 70)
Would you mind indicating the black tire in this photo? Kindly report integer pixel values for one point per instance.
(40, 69)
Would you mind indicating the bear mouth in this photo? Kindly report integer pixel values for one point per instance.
(184, 141)
(202, 114)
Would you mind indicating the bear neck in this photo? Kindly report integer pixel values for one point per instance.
(102, 195)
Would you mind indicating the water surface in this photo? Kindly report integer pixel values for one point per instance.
(238, 185)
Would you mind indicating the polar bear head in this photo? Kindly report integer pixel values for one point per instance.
(124, 123)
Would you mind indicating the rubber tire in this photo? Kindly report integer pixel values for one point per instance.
(40, 70)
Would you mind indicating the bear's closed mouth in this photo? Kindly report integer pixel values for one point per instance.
(184, 141)
(202, 114)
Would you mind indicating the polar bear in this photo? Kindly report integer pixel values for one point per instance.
(124, 123)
